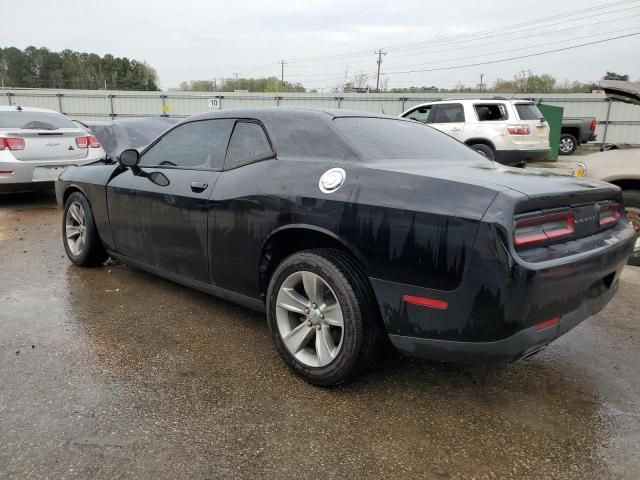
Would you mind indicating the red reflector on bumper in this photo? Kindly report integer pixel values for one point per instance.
(426, 302)
(547, 323)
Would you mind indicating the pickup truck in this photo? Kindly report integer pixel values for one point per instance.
(576, 131)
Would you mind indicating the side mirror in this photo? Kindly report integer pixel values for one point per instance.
(129, 158)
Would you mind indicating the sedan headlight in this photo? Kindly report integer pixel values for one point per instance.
(581, 170)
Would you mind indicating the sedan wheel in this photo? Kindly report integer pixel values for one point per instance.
(75, 228)
(322, 315)
(309, 319)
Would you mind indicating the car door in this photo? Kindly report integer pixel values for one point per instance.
(449, 118)
(158, 211)
(243, 217)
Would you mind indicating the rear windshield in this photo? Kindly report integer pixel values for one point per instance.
(528, 111)
(34, 120)
(386, 138)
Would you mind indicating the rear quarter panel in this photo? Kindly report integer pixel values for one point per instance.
(404, 228)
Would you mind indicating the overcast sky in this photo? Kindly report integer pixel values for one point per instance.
(322, 39)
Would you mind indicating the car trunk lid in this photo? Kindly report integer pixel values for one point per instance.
(43, 145)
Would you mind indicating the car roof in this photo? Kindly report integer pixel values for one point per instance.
(15, 108)
(475, 100)
(272, 113)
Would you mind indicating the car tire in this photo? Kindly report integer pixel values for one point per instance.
(297, 335)
(568, 144)
(632, 210)
(485, 150)
(79, 233)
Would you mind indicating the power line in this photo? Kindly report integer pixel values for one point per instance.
(537, 54)
(445, 39)
(518, 57)
(491, 53)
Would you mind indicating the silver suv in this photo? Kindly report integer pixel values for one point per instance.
(511, 132)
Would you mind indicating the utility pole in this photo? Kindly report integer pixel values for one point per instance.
(282, 64)
(236, 75)
(481, 82)
(380, 53)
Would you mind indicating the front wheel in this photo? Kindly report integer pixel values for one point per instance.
(322, 315)
(632, 210)
(80, 236)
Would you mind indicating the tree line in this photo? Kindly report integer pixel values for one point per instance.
(266, 84)
(42, 68)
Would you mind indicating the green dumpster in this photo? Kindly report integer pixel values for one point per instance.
(553, 116)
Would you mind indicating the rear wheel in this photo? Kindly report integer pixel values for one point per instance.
(632, 209)
(81, 240)
(485, 150)
(568, 144)
(322, 315)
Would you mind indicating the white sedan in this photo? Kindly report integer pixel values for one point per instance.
(36, 145)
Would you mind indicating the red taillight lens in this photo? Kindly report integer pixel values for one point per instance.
(542, 228)
(426, 302)
(609, 214)
(518, 129)
(11, 143)
(87, 142)
(93, 141)
(552, 322)
(594, 124)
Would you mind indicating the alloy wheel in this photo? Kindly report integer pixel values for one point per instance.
(566, 145)
(310, 320)
(75, 228)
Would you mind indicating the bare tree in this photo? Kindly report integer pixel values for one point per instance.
(360, 80)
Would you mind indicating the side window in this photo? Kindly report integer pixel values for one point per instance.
(491, 112)
(449, 113)
(248, 144)
(420, 114)
(199, 144)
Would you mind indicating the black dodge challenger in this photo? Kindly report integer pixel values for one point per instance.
(346, 227)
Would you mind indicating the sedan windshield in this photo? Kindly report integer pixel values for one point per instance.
(34, 120)
(387, 138)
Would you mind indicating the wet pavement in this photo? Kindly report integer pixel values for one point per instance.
(113, 373)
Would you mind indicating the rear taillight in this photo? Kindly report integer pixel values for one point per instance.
(608, 214)
(518, 129)
(11, 143)
(89, 141)
(542, 228)
(594, 124)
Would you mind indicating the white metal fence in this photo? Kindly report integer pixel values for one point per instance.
(621, 120)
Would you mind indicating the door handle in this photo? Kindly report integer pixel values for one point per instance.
(456, 129)
(199, 186)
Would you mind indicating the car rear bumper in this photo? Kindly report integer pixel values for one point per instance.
(22, 170)
(515, 347)
(518, 157)
(498, 311)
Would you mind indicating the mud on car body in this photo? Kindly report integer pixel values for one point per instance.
(346, 227)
